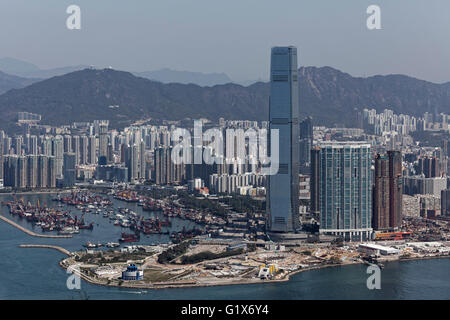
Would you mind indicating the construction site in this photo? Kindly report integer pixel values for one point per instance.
(214, 264)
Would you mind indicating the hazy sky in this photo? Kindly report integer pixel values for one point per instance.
(231, 36)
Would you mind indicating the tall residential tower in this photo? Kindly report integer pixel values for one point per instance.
(388, 191)
(342, 173)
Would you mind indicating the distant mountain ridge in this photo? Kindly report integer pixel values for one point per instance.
(28, 70)
(328, 95)
(25, 69)
(8, 82)
(167, 75)
(91, 94)
(331, 95)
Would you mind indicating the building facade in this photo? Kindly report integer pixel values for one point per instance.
(282, 200)
(445, 202)
(344, 189)
(388, 191)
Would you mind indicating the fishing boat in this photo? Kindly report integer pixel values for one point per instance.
(129, 237)
(112, 244)
(88, 227)
(69, 230)
(90, 245)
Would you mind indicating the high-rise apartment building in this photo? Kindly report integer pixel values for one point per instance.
(103, 139)
(343, 177)
(69, 169)
(429, 166)
(76, 148)
(92, 150)
(58, 152)
(388, 191)
(445, 202)
(84, 149)
(306, 142)
(314, 182)
(29, 171)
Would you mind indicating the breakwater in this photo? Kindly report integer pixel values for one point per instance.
(46, 246)
(31, 233)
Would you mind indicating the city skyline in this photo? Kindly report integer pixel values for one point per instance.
(114, 184)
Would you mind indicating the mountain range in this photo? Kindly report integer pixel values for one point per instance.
(186, 77)
(8, 82)
(328, 95)
(122, 97)
(26, 69)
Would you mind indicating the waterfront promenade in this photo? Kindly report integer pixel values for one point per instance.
(31, 233)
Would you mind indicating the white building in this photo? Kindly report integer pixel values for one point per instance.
(375, 249)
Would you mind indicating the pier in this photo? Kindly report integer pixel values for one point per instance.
(60, 249)
(31, 233)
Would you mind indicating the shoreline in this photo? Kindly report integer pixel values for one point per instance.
(156, 285)
(166, 285)
(192, 284)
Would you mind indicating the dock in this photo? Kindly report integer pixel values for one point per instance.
(31, 233)
(46, 246)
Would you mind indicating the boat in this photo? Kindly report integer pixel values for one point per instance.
(90, 245)
(88, 227)
(112, 244)
(151, 207)
(125, 224)
(129, 237)
(69, 230)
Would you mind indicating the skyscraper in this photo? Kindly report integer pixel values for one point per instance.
(282, 199)
(445, 202)
(32, 171)
(429, 166)
(345, 189)
(315, 182)
(84, 149)
(58, 151)
(305, 145)
(103, 138)
(70, 172)
(42, 171)
(388, 191)
(51, 183)
(76, 148)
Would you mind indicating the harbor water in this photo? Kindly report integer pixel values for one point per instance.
(34, 273)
